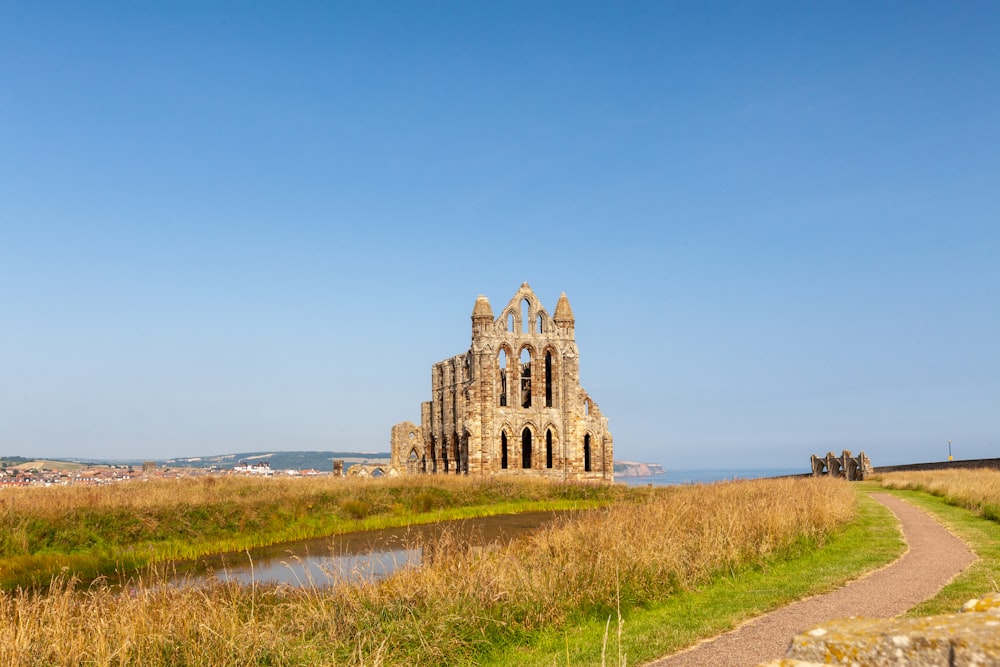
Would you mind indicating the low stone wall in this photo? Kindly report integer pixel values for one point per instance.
(942, 465)
(967, 639)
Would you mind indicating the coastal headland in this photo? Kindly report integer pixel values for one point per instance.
(633, 469)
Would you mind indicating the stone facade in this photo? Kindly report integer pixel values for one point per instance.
(512, 404)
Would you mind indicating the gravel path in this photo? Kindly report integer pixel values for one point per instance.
(934, 557)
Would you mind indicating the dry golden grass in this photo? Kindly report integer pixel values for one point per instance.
(172, 494)
(134, 524)
(977, 489)
(459, 604)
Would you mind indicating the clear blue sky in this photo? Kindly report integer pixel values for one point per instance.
(242, 226)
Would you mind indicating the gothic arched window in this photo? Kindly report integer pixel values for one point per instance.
(502, 367)
(526, 448)
(548, 448)
(525, 378)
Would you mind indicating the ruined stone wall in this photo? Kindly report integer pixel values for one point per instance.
(845, 466)
(512, 404)
(407, 447)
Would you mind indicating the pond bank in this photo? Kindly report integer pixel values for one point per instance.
(352, 557)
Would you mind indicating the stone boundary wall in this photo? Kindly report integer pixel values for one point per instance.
(941, 465)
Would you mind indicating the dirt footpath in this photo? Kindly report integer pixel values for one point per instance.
(934, 557)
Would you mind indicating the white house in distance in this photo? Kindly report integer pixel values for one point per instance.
(260, 468)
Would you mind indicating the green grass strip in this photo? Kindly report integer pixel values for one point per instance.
(869, 542)
(983, 537)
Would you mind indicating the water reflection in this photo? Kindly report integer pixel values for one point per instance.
(318, 571)
(354, 557)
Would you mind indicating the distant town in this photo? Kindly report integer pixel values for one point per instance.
(17, 471)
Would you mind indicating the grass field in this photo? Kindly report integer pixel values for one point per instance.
(966, 501)
(963, 500)
(871, 539)
(976, 489)
(653, 571)
(85, 530)
(473, 606)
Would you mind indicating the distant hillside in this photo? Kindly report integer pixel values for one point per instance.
(13, 461)
(21, 463)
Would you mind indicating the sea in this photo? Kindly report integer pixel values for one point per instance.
(676, 477)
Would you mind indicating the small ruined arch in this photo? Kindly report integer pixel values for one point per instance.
(525, 368)
(511, 321)
(548, 448)
(586, 407)
(412, 461)
(525, 315)
(540, 321)
(586, 453)
(526, 439)
(502, 356)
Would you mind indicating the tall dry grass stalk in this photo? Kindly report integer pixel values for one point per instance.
(977, 489)
(457, 606)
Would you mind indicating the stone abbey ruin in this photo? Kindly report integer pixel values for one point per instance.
(849, 467)
(512, 404)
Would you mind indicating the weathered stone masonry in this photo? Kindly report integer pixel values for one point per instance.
(512, 404)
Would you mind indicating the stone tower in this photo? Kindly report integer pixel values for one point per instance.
(512, 404)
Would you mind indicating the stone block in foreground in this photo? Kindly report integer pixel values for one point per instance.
(967, 639)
